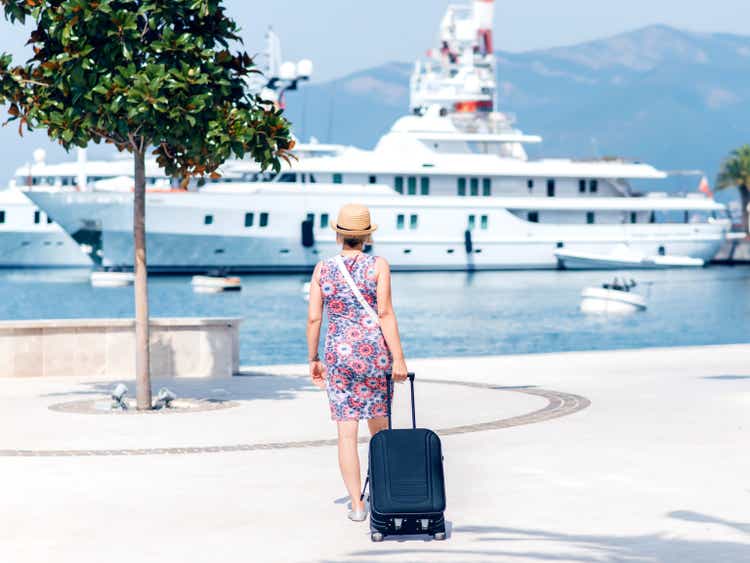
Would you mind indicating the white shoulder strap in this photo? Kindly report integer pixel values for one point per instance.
(353, 286)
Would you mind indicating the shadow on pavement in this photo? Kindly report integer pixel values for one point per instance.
(690, 516)
(250, 388)
(726, 377)
(646, 548)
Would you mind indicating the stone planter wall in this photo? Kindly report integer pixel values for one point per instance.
(180, 347)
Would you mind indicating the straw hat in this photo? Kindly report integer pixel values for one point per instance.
(354, 220)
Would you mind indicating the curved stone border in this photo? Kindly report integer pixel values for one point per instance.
(88, 406)
(559, 404)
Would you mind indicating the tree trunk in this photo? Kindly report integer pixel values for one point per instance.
(142, 372)
(744, 202)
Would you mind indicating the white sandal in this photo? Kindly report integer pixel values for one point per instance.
(358, 515)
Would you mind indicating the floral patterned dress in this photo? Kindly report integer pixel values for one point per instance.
(356, 355)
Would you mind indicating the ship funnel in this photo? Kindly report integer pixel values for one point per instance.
(484, 12)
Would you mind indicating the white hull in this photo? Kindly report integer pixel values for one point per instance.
(112, 279)
(175, 242)
(600, 300)
(594, 261)
(26, 243)
(215, 284)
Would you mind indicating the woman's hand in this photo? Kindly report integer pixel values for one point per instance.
(400, 373)
(318, 374)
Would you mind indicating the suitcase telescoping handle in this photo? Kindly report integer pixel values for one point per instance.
(388, 399)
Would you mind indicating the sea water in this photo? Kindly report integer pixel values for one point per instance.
(439, 314)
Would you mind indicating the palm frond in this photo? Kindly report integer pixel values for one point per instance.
(735, 170)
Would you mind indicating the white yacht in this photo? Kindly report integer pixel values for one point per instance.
(450, 186)
(29, 238)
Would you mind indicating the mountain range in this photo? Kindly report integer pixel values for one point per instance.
(674, 98)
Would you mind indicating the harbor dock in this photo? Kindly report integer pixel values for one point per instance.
(632, 455)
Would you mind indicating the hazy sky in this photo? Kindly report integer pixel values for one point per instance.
(342, 36)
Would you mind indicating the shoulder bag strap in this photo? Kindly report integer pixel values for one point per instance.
(355, 290)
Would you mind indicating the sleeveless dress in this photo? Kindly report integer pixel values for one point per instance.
(356, 355)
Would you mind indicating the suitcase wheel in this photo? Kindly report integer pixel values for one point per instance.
(439, 536)
(377, 536)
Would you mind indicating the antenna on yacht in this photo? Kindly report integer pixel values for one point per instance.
(283, 76)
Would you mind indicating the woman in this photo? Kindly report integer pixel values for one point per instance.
(362, 342)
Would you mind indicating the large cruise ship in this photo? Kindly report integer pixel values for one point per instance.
(450, 186)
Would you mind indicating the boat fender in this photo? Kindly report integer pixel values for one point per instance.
(308, 237)
(468, 244)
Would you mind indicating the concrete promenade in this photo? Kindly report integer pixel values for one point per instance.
(622, 456)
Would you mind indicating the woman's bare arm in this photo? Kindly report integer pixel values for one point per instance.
(388, 322)
(314, 319)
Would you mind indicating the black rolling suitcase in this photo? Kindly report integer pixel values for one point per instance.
(407, 487)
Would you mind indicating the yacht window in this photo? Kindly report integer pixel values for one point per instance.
(551, 187)
(337, 179)
(532, 216)
(37, 217)
(413, 222)
(311, 178)
(581, 186)
(2, 216)
(486, 186)
(699, 216)
(49, 219)
(472, 221)
(462, 186)
(399, 184)
(249, 219)
(662, 251)
(208, 219)
(590, 217)
(560, 245)
(263, 219)
(399, 222)
(530, 184)
(412, 185)
(288, 177)
(424, 185)
(373, 179)
(633, 217)
(594, 186)
(474, 183)
(303, 178)
(483, 222)
(311, 217)
(323, 220)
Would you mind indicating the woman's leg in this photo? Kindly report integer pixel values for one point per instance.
(349, 460)
(377, 424)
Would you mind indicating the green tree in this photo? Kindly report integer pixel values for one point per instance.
(142, 75)
(735, 171)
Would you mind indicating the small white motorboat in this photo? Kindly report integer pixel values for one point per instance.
(615, 297)
(623, 257)
(111, 279)
(215, 283)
